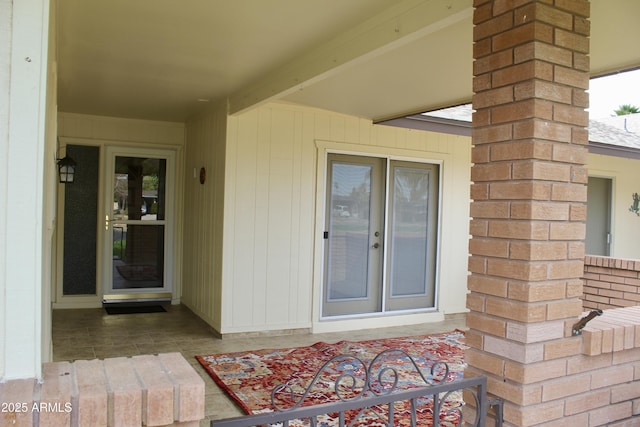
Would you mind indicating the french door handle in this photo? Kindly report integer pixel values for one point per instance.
(376, 245)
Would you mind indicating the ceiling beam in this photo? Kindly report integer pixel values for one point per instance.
(406, 21)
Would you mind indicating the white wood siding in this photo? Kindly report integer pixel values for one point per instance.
(271, 204)
(268, 222)
(203, 215)
(23, 153)
(118, 130)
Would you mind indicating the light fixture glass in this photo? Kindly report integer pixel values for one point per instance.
(66, 170)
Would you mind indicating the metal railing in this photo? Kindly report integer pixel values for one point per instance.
(374, 391)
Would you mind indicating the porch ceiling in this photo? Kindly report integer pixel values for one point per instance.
(377, 59)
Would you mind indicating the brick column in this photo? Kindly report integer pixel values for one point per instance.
(529, 193)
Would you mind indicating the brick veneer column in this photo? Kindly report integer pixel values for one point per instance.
(529, 193)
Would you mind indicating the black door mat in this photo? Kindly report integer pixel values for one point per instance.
(134, 309)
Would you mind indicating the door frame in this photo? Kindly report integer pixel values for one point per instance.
(371, 320)
(609, 214)
(61, 301)
(105, 270)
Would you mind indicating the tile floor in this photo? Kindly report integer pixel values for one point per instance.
(92, 333)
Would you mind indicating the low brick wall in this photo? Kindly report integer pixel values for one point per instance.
(149, 390)
(610, 282)
(615, 330)
(602, 386)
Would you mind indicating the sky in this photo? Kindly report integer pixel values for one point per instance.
(606, 94)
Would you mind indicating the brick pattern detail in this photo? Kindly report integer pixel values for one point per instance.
(601, 386)
(529, 153)
(529, 150)
(161, 390)
(610, 282)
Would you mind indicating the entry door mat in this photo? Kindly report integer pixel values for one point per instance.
(249, 377)
(134, 309)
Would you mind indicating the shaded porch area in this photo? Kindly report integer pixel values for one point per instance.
(87, 334)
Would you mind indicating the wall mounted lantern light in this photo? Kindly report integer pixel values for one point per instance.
(66, 170)
(635, 206)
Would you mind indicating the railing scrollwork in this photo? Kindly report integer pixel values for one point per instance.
(391, 390)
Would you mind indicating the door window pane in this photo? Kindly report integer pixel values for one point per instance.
(138, 228)
(138, 256)
(408, 228)
(349, 231)
(139, 188)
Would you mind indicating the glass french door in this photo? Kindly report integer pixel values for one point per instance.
(411, 236)
(353, 245)
(138, 224)
(381, 234)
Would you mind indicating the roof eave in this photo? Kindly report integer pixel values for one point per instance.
(462, 128)
(614, 150)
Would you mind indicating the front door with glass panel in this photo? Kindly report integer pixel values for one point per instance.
(380, 238)
(137, 224)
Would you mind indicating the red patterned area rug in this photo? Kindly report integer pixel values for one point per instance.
(249, 377)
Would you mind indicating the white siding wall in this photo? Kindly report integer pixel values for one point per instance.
(6, 14)
(269, 212)
(113, 130)
(626, 181)
(23, 107)
(272, 205)
(50, 185)
(204, 215)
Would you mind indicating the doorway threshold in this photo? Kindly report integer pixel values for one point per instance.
(153, 298)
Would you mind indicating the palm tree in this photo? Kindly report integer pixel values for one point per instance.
(626, 109)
